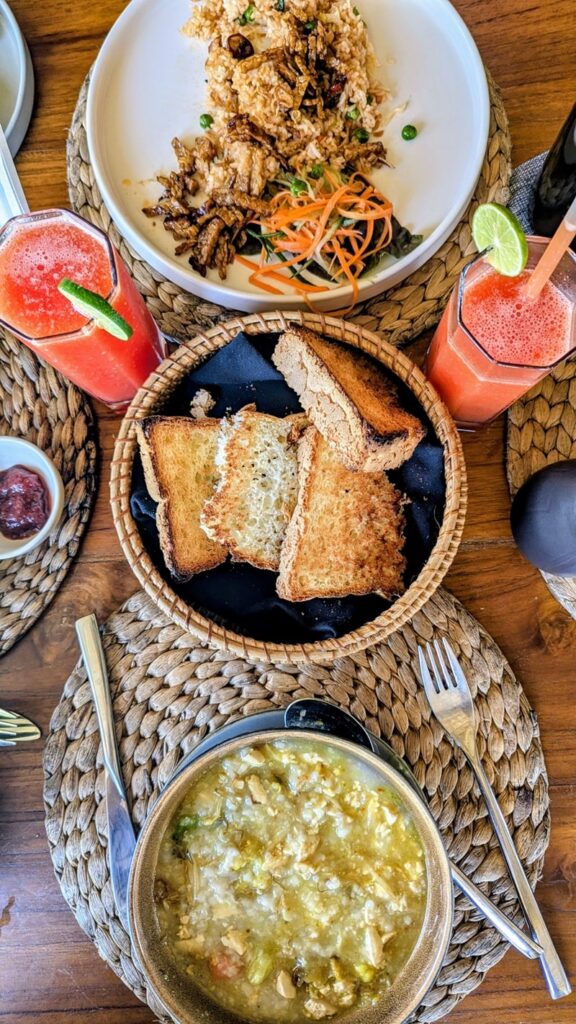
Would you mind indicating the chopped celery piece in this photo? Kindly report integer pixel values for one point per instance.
(259, 967)
(187, 823)
(366, 972)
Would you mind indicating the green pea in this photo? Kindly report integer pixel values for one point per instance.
(248, 15)
(361, 135)
(206, 121)
(409, 132)
(353, 114)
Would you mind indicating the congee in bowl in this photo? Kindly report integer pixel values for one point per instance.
(290, 882)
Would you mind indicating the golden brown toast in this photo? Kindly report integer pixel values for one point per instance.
(178, 457)
(346, 533)
(256, 494)
(349, 399)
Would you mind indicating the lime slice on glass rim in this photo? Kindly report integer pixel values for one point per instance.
(499, 235)
(94, 307)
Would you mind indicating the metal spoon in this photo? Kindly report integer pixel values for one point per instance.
(12, 198)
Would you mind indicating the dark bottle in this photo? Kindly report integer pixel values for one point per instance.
(556, 187)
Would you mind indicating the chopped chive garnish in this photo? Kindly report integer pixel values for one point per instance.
(353, 114)
(248, 15)
(309, 26)
(297, 186)
(316, 171)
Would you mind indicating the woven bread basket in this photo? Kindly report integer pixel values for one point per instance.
(150, 399)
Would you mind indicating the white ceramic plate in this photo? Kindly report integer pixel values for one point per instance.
(15, 451)
(148, 86)
(16, 80)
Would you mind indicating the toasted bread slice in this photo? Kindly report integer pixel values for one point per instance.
(346, 534)
(178, 456)
(256, 495)
(349, 400)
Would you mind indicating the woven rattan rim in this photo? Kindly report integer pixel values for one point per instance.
(542, 430)
(150, 399)
(402, 312)
(169, 690)
(36, 403)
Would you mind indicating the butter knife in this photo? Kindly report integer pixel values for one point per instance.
(121, 837)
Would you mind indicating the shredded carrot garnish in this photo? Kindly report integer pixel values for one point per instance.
(332, 223)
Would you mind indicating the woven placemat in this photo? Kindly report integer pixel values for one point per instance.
(169, 690)
(402, 312)
(36, 403)
(542, 430)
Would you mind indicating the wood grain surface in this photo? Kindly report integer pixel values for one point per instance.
(49, 970)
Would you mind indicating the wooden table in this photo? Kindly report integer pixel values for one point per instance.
(50, 972)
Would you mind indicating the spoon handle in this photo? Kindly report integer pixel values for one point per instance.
(12, 198)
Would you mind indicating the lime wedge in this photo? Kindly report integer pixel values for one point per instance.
(93, 306)
(497, 230)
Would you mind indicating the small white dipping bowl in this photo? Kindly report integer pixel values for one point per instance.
(14, 451)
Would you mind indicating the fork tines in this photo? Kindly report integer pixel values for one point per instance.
(437, 677)
(15, 728)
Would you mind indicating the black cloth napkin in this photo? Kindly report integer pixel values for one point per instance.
(240, 597)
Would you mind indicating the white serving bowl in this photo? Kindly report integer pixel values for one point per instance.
(15, 451)
(147, 86)
(16, 80)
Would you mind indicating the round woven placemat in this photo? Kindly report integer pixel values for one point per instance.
(542, 430)
(36, 403)
(402, 312)
(169, 690)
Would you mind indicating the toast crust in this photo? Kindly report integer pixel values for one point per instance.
(347, 531)
(178, 458)
(350, 401)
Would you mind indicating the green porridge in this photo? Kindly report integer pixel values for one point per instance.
(290, 884)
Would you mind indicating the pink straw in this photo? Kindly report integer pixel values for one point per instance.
(553, 253)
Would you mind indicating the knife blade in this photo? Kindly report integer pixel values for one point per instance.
(121, 845)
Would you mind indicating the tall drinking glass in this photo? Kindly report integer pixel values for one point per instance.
(37, 250)
(492, 344)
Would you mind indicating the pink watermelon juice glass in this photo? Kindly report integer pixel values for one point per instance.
(37, 250)
(493, 344)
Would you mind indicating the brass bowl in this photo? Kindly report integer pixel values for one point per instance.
(177, 992)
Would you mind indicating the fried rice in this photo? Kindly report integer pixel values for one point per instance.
(310, 82)
(291, 88)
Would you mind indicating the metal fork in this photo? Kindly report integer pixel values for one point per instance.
(15, 728)
(449, 697)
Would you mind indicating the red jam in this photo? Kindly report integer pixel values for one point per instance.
(24, 502)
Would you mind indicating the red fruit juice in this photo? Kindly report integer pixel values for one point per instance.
(36, 252)
(498, 346)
